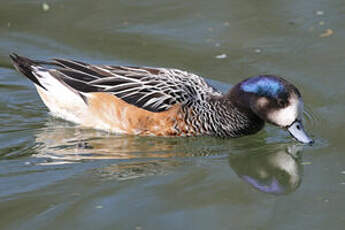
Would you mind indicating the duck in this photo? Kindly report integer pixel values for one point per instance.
(151, 101)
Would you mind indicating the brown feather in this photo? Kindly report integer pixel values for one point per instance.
(106, 109)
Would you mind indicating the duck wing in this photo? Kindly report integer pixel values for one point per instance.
(152, 89)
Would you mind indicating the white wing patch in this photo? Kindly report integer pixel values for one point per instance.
(61, 100)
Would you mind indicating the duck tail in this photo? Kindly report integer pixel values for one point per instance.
(25, 66)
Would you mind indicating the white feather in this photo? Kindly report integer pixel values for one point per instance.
(286, 116)
(61, 99)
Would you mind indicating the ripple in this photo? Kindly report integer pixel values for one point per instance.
(61, 140)
(312, 119)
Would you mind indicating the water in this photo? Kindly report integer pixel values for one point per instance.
(56, 175)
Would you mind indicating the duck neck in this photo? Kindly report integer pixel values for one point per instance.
(228, 118)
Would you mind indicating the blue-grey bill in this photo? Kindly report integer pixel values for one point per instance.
(297, 131)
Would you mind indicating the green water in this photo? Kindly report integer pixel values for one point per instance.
(56, 175)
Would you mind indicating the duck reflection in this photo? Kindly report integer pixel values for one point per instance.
(266, 167)
(62, 141)
(276, 172)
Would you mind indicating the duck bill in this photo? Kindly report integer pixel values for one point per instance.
(296, 130)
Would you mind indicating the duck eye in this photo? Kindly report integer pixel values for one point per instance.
(280, 102)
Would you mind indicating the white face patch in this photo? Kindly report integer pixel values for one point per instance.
(286, 163)
(286, 116)
(262, 102)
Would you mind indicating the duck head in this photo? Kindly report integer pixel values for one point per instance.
(274, 100)
(269, 170)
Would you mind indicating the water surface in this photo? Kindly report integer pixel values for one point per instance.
(56, 175)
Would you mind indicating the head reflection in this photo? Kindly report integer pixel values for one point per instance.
(277, 172)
